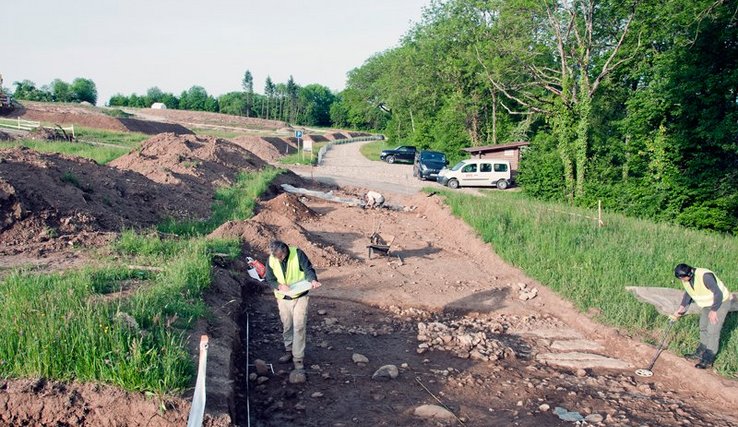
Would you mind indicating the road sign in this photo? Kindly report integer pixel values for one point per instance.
(298, 134)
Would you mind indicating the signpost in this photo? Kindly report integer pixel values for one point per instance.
(298, 135)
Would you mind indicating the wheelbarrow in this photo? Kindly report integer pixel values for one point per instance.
(379, 244)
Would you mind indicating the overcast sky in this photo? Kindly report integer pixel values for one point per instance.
(129, 46)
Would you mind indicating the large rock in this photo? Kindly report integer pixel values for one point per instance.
(574, 345)
(578, 360)
(386, 372)
(433, 412)
(667, 300)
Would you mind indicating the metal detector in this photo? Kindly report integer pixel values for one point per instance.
(647, 372)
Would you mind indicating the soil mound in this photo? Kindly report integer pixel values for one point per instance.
(283, 146)
(201, 164)
(6, 136)
(289, 206)
(261, 147)
(48, 200)
(152, 128)
(67, 114)
(318, 138)
(335, 136)
(279, 219)
(49, 134)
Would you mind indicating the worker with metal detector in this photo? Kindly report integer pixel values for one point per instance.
(291, 275)
(703, 287)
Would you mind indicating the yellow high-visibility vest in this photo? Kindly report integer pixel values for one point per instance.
(702, 296)
(293, 273)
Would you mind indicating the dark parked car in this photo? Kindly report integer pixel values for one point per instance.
(403, 153)
(428, 164)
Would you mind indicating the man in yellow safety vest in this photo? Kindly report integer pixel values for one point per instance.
(703, 287)
(287, 266)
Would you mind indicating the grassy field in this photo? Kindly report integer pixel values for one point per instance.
(591, 266)
(87, 144)
(114, 324)
(372, 150)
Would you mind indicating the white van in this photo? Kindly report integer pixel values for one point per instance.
(478, 173)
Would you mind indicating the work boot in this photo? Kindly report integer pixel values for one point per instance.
(697, 353)
(299, 366)
(285, 357)
(706, 361)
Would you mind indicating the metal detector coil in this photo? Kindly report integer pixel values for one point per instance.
(647, 372)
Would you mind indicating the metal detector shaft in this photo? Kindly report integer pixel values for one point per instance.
(661, 346)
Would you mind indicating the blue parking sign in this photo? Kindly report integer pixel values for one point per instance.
(298, 134)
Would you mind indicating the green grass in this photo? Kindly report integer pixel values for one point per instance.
(126, 139)
(100, 154)
(372, 150)
(117, 325)
(591, 266)
(231, 203)
(123, 143)
(218, 133)
(303, 158)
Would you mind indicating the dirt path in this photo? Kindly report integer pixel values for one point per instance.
(440, 266)
(344, 165)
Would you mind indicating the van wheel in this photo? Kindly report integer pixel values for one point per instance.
(501, 184)
(390, 159)
(453, 184)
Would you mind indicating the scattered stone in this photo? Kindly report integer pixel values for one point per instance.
(386, 372)
(359, 358)
(329, 321)
(322, 312)
(528, 294)
(566, 415)
(316, 394)
(253, 376)
(433, 412)
(297, 377)
(404, 366)
(544, 407)
(261, 367)
(581, 373)
(300, 406)
(262, 380)
(594, 418)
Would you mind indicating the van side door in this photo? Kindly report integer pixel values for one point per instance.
(469, 174)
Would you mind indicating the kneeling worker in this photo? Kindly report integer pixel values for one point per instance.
(286, 266)
(704, 288)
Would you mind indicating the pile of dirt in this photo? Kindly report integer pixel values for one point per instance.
(266, 150)
(207, 118)
(199, 164)
(49, 134)
(290, 206)
(4, 136)
(153, 128)
(48, 200)
(67, 114)
(278, 219)
(317, 138)
(335, 136)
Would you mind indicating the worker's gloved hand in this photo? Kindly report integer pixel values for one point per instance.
(283, 288)
(315, 284)
(679, 313)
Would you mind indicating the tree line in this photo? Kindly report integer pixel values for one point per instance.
(632, 102)
(80, 90)
(289, 102)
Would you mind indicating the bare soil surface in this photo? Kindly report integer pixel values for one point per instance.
(439, 271)
(463, 328)
(200, 118)
(92, 117)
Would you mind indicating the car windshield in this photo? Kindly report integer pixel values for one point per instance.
(440, 157)
(458, 166)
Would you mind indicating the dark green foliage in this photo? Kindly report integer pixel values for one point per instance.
(654, 136)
